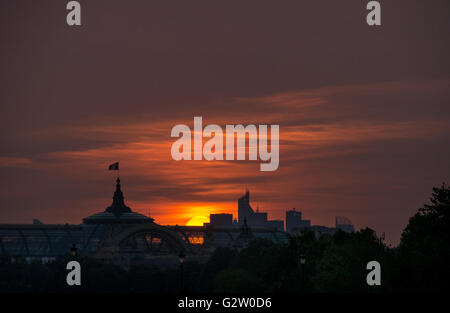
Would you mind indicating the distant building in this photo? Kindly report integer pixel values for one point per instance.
(244, 208)
(294, 221)
(276, 224)
(344, 224)
(221, 220)
(258, 219)
(319, 230)
(245, 212)
(255, 219)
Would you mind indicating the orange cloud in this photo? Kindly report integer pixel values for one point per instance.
(326, 144)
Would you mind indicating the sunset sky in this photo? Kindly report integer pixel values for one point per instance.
(364, 112)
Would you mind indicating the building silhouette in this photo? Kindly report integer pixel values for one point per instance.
(221, 220)
(244, 208)
(255, 218)
(344, 224)
(117, 213)
(294, 221)
(121, 236)
(276, 224)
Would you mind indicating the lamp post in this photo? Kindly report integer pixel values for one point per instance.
(302, 264)
(73, 251)
(181, 258)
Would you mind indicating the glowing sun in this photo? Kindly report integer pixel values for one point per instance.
(197, 221)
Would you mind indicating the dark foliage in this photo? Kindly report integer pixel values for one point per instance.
(425, 245)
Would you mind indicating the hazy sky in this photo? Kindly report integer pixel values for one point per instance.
(363, 111)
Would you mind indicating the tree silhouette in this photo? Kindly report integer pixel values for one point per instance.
(425, 245)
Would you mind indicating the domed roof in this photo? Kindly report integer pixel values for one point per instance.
(117, 212)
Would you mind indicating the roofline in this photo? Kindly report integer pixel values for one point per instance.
(40, 226)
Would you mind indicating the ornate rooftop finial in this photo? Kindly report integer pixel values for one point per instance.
(245, 229)
(118, 206)
(118, 192)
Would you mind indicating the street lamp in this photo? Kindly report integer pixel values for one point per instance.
(302, 263)
(181, 258)
(73, 251)
(302, 259)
